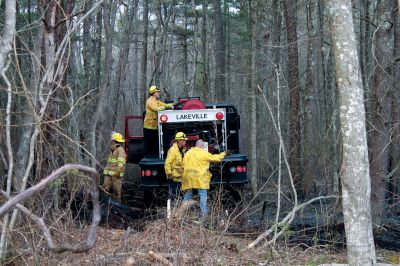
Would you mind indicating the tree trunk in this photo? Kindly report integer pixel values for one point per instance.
(204, 53)
(356, 183)
(8, 32)
(219, 52)
(310, 133)
(49, 141)
(381, 120)
(395, 151)
(108, 29)
(143, 69)
(253, 102)
(294, 87)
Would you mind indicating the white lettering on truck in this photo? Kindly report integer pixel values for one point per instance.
(191, 116)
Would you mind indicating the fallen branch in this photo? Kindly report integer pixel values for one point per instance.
(15, 202)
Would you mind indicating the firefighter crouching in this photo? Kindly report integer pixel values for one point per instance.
(173, 166)
(196, 174)
(114, 171)
(153, 105)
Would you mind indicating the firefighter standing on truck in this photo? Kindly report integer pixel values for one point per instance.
(173, 166)
(150, 133)
(196, 174)
(114, 171)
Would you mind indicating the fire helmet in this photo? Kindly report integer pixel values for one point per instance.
(180, 136)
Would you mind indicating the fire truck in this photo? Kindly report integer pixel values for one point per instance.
(217, 124)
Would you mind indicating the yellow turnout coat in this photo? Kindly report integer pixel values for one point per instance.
(152, 107)
(196, 164)
(173, 163)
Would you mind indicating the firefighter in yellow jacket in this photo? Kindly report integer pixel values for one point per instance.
(153, 105)
(174, 165)
(196, 174)
(114, 171)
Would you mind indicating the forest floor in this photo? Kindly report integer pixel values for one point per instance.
(181, 242)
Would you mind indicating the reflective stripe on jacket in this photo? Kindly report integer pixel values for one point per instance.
(173, 163)
(116, 161)
(196, 164)
(152, 107)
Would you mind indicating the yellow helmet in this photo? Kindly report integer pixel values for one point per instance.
(117, 137)
(153, 89)
(180, 136)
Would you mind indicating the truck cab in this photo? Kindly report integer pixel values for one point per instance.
(217, 124)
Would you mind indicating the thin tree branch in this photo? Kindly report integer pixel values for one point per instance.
(91, 238)
(43, 183)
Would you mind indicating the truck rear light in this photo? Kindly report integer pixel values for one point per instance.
(232, 169)
(154, 173)
(219, 116)
(239, 169)
(244, 169)
(142, 172)
(148, 173)
(163, 118)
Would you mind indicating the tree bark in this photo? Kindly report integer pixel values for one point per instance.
(204, 53)
(219, 52)
(253, 102)
(356, 183)
(395, 151)
(309, 116)
(143, 69)
(294, 87)
(8, 31)
(381, 120)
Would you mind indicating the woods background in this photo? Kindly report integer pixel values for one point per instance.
(72, 79)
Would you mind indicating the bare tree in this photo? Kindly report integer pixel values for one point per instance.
(381, 118)
(356, 182)
(143, 69)
(219, 52)
(7, 36)
(253, 95)
(294, 86)
(204, 53)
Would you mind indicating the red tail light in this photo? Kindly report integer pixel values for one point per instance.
(142, 172)
(239, 169)
(148, 173)
(244, 169)
(219, 116)
(163, 118)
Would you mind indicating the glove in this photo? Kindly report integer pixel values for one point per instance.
(169, 177)
(228, 153)
(117, 174)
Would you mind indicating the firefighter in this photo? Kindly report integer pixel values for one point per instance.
(114, 171)
(153, 105)
(173, 165)
(196, 174)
